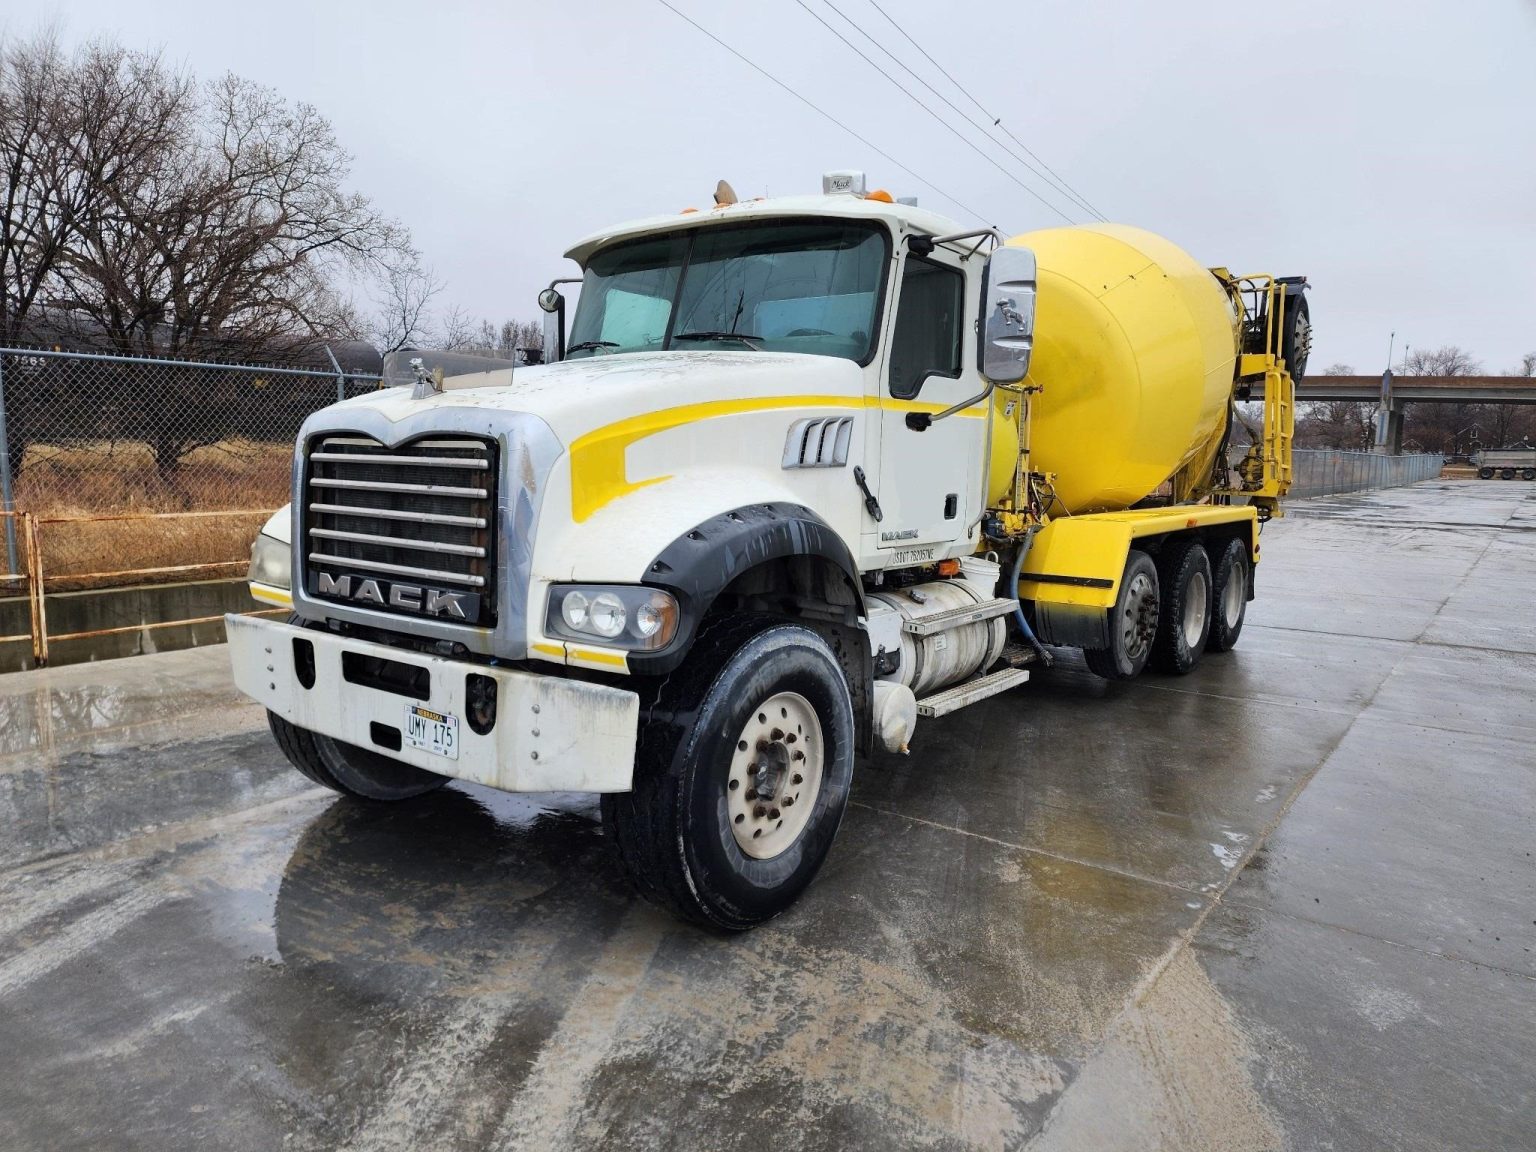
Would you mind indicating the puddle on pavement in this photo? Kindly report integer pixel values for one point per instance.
(47, 718)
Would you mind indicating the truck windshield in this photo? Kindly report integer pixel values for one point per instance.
(780, 286)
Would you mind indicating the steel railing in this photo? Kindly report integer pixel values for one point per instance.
(1330, 472)
(35, 580)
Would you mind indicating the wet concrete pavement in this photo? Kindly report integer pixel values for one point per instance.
(1288, 901)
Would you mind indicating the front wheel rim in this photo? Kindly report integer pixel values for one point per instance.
(776, 773)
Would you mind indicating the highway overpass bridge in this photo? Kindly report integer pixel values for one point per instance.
(1391, 393)
(1417, 389)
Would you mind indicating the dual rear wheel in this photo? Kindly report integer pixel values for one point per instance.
(1171, 611)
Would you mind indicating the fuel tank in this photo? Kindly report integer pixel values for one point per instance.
(1134, 352)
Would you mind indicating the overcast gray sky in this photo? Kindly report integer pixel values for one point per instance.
(1387, 150)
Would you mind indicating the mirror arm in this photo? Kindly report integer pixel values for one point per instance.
(922, 243)
(919, 421)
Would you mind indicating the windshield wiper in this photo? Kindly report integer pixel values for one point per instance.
(586, 344)
(742, 336)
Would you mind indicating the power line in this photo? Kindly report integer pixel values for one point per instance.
(996, 120)
(1056, 183)
(824, 114)
(982, 152)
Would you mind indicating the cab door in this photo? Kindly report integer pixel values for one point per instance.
(929, 481)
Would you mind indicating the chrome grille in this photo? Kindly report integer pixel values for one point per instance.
(409, 530)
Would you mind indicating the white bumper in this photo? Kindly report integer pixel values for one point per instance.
(550, 735)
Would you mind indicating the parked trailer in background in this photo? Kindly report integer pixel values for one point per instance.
(1506, 464)
(798, 474)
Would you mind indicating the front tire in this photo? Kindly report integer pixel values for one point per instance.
(1485, 473)
(1132, 623)
(348, 769)
(755, 702)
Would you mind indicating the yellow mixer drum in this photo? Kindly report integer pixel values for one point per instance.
(1134, 349)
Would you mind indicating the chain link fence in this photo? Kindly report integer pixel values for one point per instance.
(123, 461)
(118, 470)
(130, 465)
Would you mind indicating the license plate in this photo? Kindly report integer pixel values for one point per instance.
(432, 731)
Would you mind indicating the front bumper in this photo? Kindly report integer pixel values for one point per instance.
(551, 734)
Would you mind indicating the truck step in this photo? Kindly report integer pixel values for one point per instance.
(961, 695)
(1017, 654)
(957, 617)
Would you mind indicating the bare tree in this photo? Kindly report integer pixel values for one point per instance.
(34, 208)
(1450, 360)
(1442, 427)
(403, 307)
(1451, 427)
(143, 212)
(72, 128)
(233, 240)
(458, 331)
(1510, 425)
(1346, 424)
(522, 335)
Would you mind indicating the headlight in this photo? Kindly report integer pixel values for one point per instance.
(574, 607)
(608, 615)
(622, 616)
(271, 562)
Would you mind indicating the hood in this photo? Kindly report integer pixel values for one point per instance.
(575, 397)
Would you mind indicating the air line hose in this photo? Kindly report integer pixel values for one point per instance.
(1013, 594)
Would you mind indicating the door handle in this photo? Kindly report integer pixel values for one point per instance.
(870, 503)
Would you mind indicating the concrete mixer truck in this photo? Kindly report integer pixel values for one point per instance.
(798, 473)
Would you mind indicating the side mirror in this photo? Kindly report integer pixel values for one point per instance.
(1007, 315)
(552, 302)
(554, 328)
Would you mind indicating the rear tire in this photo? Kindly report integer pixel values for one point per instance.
(1231, 580)
(1485, 473)
(1506, 474)
(1132, 623)
(687, 835)
(1184, 616)
(1528, 474)
(348, 769)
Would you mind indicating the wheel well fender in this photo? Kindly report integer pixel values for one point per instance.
(777, 559)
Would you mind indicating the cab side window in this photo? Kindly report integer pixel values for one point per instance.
(928, 326)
